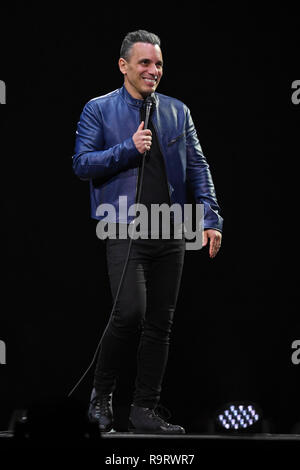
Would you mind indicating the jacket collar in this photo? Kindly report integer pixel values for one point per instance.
(130, 100)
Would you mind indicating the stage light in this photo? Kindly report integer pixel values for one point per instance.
(239, 417)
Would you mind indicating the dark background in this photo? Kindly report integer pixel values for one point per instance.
(237, 315)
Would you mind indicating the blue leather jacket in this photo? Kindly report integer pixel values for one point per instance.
(105, 153)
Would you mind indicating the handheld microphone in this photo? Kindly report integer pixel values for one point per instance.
(149, 101)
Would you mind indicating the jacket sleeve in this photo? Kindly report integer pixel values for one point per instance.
(200, 179)
(91, 160)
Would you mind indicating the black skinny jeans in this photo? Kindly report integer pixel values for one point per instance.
(146, 303)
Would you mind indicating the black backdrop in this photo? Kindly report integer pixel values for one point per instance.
(237, 314)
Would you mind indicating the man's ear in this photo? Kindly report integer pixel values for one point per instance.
(123, 65)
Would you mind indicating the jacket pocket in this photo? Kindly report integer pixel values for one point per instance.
(172, 141)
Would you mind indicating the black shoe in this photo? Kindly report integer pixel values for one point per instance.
(145, 420)
(100, 410)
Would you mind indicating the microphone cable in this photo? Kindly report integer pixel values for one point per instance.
(150, 101)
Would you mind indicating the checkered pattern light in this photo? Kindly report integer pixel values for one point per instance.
(238, 417)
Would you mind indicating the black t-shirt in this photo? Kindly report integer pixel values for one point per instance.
(154, 184)
(154, 187)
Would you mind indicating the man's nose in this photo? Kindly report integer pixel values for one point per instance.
(153, 70)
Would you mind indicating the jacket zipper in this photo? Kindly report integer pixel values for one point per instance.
(136, 184)
(175, 140)
(137, 178)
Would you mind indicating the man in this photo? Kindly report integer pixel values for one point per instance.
(110, 142)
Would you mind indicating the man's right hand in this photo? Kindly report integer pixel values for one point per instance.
(142, 138)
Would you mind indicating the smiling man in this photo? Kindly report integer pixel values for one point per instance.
(110, 142)
(142, 69)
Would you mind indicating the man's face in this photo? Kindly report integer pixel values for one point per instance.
(143, 71)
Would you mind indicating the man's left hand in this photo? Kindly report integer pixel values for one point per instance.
(215, 238)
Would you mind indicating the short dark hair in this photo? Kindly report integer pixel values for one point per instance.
(137, 36)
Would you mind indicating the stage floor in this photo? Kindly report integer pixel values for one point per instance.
(189, 437)
(147, 450)
(195, 436)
